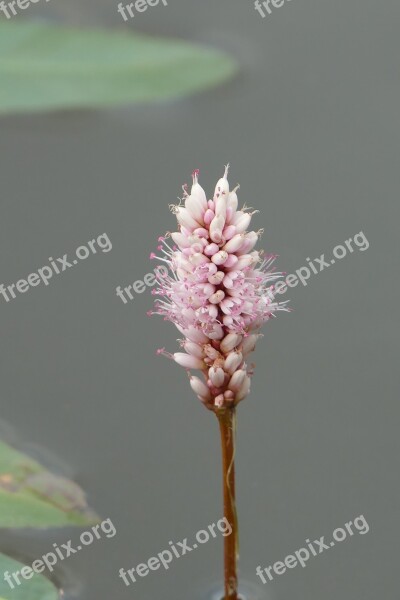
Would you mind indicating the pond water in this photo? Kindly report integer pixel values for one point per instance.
(310, 129)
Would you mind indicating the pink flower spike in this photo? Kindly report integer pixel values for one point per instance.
(216, 289)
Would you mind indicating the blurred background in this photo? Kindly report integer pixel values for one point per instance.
(310, 125)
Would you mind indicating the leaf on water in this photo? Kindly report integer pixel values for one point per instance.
(32, 496)
(36, 588)
(47, 67)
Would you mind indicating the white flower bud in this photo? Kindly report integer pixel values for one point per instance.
(226, 305)
(232, 362)
(241, 221)
(200, 388)
(193, 334)
(230, 342)
(195, 208)
(244, 261)
(244, 389)
(231, 261)
(208, 289)
(185, 218)
(193, 349)
(212, 268)
(219, 401)
(217, 297)
(216, 333)
(213, 311)
(229, 232)
(249, 343)
(180, 240)
(188, 361)
(220, 257)
(201, 232)
(216, 278)
(217, 376)
(216, 227)
(199, 193)
(211, 249)
(211, 352)
(181, 262)
(228, 282)
(250, 241)
(208, 216)
(235, 243)
(198, 259)
(233, 200)
(222, 187)
(220, 207)
(236, 380)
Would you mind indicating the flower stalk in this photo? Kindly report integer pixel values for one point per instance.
(227, 426)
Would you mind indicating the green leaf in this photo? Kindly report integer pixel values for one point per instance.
(46, 67)
(32, 496)
(36, 588)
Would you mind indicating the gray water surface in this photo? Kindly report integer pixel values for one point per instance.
(311, 129)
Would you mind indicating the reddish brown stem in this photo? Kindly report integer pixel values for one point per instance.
(226, 419)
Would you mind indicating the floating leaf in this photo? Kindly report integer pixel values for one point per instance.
(47, 67)
(31, 496)
(35, 588)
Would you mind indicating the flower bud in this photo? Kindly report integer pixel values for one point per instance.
(228, 282)
(208, 289)
(232, 362)
(216, 278)
(208, 216)
(193, 334)
(220, 257)
(244, 261)
(211, 249)
(231, 261)
(220, 206)
(233, 200)
(193, 349)
(229, 232)
(180, 240)
(198, 192)
(195, 208)
(217, 297)
(213, 311)
(230, 342)
(235, 243)
(211, 352)
(241, 221)
(236, 380)
(216, 333)
(200, 388)
(198, 259)
(219, 401)
(249, 343)
(185, 218)
(201, 232)
(226, 305)
(217, 376)
(222, 187)
(249, 242)
(244, 389)
(188, 361)
(216, 227)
